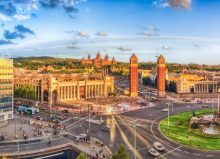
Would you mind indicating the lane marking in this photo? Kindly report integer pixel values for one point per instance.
(169, 152)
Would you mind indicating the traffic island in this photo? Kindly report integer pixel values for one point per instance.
(178, 129)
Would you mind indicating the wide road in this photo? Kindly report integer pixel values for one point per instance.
(145, 121)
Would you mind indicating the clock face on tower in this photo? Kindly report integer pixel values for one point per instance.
(134, 61)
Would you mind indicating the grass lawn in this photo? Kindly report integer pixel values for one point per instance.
(178, 131)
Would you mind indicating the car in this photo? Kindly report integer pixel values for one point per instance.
(153, 152)
(106, 129)
(2, 137)
(77, 138)
(64, 111)
(64, 133)
(158, 146)
(38, 117)
(165, 110)
(83, 136)
(205, 106)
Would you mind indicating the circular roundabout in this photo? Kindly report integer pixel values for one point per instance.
(188, 129)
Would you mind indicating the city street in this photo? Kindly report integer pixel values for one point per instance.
(145, 121)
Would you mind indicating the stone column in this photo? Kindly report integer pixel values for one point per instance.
(86, 89)
(50, 98)
(58, 92)
(42, 91)
(78, 90)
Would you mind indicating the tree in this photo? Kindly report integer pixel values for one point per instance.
(194, 113)
(120, 154)
(25, 91)
(81, 156)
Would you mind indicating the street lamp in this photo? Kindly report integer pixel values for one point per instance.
(168, 112)
(135, 139)
(86, 142)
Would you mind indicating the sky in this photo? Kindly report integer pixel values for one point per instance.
(184, 31)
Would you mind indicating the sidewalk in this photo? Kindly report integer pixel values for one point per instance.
(93, 148)
(3, 123)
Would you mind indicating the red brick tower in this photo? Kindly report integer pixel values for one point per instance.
(133, 76)
(161, 76)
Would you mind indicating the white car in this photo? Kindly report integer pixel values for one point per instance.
(154, 152)
(83, 136)
(158, 146)
(165, 110)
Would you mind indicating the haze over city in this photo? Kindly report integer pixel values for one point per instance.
(185, 31)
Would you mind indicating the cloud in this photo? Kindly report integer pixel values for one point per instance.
(33, 15)
(177, 4)
(101, 33)
(148, 31)
(12, 35)
(70, 9)
(21, 9)
(19, 32)
(166, 48)
(72, 47)
(20, 17)
(23, 30)
(5, 42)
(82, 34)
(196, 45)
(71, 16)
(69, 31)
(4, 17)
(124, 49)
(7, 9)
(146, 34)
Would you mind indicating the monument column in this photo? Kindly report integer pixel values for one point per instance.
(161, 75)
(133, 76)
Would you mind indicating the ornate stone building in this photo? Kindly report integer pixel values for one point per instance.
(133, 76)
(161, 75)
(98, 61)
(60, 87)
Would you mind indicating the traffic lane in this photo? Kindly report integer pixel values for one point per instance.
(57, 141)
(149, 139)
(156, 111)
(8, 149)
(184, 152)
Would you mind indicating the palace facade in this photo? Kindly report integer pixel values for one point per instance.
(98, 62)
(53, 88)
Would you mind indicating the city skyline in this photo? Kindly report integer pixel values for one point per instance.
(183, 32)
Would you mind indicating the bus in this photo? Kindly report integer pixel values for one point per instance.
(28, 110)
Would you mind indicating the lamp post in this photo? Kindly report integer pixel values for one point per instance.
(86, 143)
(89, 118)
(168, 113)
(135, 139)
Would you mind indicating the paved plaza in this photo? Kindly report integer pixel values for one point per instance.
(19, 127)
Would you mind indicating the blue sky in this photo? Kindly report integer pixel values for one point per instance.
(183, 30)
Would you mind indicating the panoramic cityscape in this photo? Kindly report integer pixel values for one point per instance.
(109, 79)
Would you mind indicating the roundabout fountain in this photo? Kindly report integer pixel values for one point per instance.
(208, 123)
